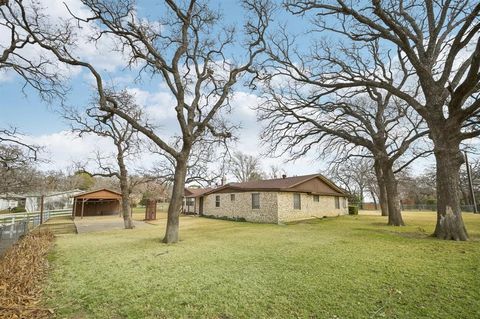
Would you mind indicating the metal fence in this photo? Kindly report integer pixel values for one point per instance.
(14, 226)
(433, 208)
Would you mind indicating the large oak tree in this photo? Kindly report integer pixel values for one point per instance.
(439, 40)
(188, 49)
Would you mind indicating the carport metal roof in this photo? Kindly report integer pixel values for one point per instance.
(99, 194)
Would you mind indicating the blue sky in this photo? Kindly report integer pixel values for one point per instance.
(43, 125)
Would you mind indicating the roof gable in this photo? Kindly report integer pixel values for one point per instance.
(195, 192)
(318, 185)
(315, 183)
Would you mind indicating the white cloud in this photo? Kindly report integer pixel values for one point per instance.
(101, 55)
(159, 106)
(62, 149)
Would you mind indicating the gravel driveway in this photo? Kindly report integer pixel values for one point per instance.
(97, 224)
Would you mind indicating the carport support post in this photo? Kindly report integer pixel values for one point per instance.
(74, 211)
(83, 204)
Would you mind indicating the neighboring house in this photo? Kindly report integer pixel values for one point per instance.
(51, 201)
(9, 201)
(193, 197)
(275, 200)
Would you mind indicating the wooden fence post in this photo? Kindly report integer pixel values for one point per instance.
(41, 209)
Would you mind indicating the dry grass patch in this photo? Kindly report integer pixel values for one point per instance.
(22, 269)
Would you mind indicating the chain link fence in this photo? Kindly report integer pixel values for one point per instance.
(433, 208)
(14, 226)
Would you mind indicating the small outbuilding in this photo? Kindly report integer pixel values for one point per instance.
(96, 203)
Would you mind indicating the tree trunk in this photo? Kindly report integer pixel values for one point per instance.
(449, 216)
(391, 186)
(361, 197)
(382, 191)
(126, 209)
(374, 200)
(173, 219)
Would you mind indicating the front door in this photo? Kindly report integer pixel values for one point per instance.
(200, 206)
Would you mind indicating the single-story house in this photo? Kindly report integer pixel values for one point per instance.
(96, 203)
(275, 200)
(192, 199)
(9, 201)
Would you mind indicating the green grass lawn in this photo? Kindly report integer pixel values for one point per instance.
(346, 267)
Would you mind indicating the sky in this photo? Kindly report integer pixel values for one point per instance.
(43, 124)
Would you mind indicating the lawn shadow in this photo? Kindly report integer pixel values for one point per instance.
(313, 220)
(420, 234)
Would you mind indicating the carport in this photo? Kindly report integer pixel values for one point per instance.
(100, 202)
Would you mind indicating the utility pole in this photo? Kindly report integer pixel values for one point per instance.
(470, 184)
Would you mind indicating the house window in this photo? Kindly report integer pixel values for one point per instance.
(232, 197)
(337, 202)
(217, 201)
(297, 201)
(189, 201)
(344, 202)
(255, 201)
(316, 198)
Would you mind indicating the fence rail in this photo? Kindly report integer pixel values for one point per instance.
(426, 208)
(433, 208)
(13, 226)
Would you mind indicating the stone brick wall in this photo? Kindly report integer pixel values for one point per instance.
(309, 208)
(241, 207)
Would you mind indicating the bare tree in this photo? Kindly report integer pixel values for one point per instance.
(353, 175)
(206, 164)
(14, 152)
(20, 179)
(37, 71)
(359, 123)
(186, 50)
(124, 137)
(420, 189)
(436, 42)
(246, 167)
(274, 171)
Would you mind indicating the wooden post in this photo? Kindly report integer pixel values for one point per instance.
(41, 209)
(151, 210)
(74, 210)
(83, 204)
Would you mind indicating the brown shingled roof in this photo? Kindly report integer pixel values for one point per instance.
(99, 191)
(277, 184)
(195, 192)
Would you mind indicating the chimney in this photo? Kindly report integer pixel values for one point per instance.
(284, 176)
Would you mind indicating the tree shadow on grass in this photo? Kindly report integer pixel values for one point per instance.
(379, 224)
(419, 234)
